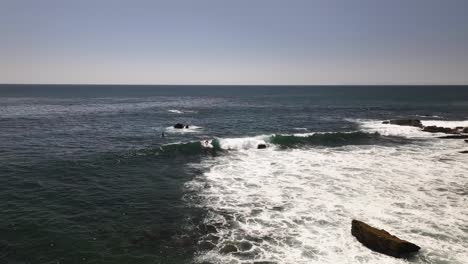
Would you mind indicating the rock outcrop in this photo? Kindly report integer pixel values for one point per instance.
(381, 241)
(436, 129)
(261, 146)
(430, 129)
(179, 126)
(405, 122)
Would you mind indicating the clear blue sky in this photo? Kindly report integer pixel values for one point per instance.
(234, 42)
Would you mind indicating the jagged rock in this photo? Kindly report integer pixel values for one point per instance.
(436, 129)
(381, 241)
(404, 122)
(261, 146)
(228, 249)
(179, 126)
(455, 137)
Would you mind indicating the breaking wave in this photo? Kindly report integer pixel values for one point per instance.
(326, 139)
(295, 205)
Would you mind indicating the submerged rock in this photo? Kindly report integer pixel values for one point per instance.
(179, 126)
(464, 152)
(381, 241)
(436, 129)
(455, 137)
(405, 122)
(261, 146)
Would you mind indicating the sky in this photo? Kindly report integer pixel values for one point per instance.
(256, 42)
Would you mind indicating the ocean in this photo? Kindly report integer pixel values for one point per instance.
(87, 176)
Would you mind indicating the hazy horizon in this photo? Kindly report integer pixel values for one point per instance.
(234, 43)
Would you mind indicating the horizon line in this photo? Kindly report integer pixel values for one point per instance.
(296, 85)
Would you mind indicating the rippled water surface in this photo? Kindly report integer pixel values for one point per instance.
(85, 176)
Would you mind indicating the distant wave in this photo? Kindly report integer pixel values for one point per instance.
(191, 129)
(176, 111)
(427, 116)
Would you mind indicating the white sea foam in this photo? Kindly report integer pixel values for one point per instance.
(175, 111)
(431, 116)
(242, 143)
(296, 206)
(441, 123)
(407, 131)
(191, 129)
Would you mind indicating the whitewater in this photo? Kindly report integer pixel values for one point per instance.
(295, 205)
(99, 174)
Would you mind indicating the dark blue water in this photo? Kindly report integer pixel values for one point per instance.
(85, 176)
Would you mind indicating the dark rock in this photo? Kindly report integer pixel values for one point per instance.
(179, 126)
(186, 126)
(405, 122)
(228, 249)
(464, 152)
(465, 130)
(466, 140)
(261, 146)
(381, 241)
(436, 129)
(455, 137)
